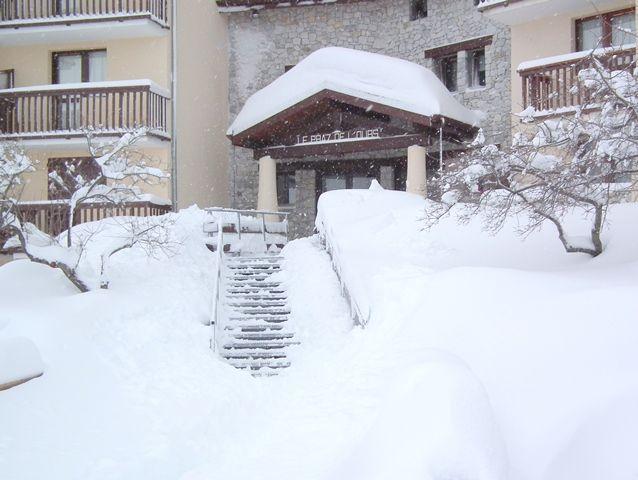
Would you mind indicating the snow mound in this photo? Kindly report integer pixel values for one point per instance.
(19, 360)
(551, 336)
(378, 78)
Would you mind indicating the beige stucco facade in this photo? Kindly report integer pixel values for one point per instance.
(549, 36)
(201, 101)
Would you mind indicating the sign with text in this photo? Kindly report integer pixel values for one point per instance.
(339, 136)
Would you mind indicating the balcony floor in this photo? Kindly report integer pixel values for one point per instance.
(80, 28)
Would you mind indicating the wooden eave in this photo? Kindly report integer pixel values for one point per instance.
(266, 134)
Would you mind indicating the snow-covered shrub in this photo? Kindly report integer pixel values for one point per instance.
(120, 169)
(577, 163)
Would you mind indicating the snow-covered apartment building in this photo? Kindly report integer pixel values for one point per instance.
(248, 108)
(112, 65)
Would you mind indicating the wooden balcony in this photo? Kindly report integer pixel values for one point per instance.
(552, 85)
(52, 217)
(24, 13)
(67, 111)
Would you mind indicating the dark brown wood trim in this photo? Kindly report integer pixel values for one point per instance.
(338, 148)
(447, 50)
(248, 138)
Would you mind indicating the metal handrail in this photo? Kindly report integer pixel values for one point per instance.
(257, 213)
(217, 286)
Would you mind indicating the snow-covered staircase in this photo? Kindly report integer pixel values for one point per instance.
(256, 330)
(251, 317)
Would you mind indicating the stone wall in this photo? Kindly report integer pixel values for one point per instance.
(262, 45)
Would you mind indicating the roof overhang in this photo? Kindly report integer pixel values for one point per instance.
(332, 123)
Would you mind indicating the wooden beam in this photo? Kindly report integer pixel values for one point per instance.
(337, 148)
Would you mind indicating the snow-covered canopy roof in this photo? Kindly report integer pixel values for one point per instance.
(382, 80)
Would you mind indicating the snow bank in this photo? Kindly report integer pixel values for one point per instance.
(550, 336)
(378, 78)
(19, 360)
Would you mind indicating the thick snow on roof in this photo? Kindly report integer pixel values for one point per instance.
(386, 80)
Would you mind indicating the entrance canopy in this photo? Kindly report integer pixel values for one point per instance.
(339, 100)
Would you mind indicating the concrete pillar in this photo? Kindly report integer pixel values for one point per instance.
(267, 195)
(417, 180)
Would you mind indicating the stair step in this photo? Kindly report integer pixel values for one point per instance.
(255, 267)
(262, 318)
(267, 337)
(244, 289)
(254, 328)
(247, 356)
(261, 312)
(255, 345)
(248, 278)
(250, 297)
(259, 260)
(239, 303)
(253, 284)
(260, 365)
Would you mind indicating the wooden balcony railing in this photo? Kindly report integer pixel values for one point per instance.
(52, 217)
(76, 11)
(554, 84)
(66, 111)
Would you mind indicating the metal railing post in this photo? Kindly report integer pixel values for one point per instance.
(263, 225)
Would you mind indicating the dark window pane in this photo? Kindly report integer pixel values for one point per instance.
(418, 9)
(476, 68)
(623, 29)
(286, 188)
(69, 68)
(6, 79)
(448, 70)
(333, 182)
(590, 34)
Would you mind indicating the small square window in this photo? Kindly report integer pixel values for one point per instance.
(448, 68)
(418, 9)
(6, 79)
(476, 68)
(286, 188)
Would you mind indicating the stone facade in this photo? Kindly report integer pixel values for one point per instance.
(262, 45)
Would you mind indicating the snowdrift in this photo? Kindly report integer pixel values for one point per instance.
(550, 336)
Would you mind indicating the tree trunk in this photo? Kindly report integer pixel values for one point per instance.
(69, 272)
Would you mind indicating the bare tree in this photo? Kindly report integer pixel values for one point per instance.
(581, 162)
(120, 170)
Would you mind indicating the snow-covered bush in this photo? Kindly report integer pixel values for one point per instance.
(577, 163)
(119, 170)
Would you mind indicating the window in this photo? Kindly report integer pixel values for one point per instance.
(418, 9)
(67, 174)
(286, 188)
(81, 66)
(448, 68)
(610, 29)
(476, 68)
(346, 180)
(6, 79)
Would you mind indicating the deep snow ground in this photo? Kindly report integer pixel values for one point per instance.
(486, 358)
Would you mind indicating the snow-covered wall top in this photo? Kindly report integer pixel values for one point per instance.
(378, 78)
